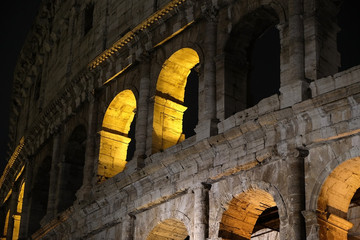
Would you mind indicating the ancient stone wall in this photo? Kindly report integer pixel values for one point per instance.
(100, 149)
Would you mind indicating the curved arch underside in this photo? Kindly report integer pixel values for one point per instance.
(114, 140)
(239, 220)
(169, 100)
(170, 229)
(335, 198)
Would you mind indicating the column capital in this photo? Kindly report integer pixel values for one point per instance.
(201, 185)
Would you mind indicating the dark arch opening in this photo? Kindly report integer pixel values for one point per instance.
(190, 118)
(132, 143)
(267, 223)
(252, 60)
(264, 73)
(39, 195)
(348, 37)
(71, 169)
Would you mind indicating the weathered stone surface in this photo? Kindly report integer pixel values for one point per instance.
(289, 162)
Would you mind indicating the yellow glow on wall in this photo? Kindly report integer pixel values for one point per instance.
(20, 172)
(6, 225)
(335, 197)
(114, 139)
(17, 216)
(8, 195)
(168, 107)
(243, 211)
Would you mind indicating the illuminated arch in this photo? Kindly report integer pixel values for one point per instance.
(169, 100)
(17, 216)
(335, 197)
(114, 140)
(6, 224)
(170, 229)
(245, 212)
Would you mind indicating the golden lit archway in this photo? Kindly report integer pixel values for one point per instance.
(335, 197)
(170, 229)
(169, 100)
(17, 215)
(6, 225)
(245, 211)
(114, 140)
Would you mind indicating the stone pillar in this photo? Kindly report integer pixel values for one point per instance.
(312, 226)
(296, 194)
(91, 158)
(25, 215)
(201, 211)
(295, 90)
(207, 125)
(142, 113)
(321, 56)
(51, 206)
(128, 228)
(13, 211)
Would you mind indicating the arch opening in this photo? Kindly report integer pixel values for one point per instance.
(170, 105)
(348, 37)
(252, 60)
(17, 215)
(6, 225)
(251, 215)
(190, 118)
(170, 229)
(118, 131)
(39, 195)
(338, 209)
(72, 168)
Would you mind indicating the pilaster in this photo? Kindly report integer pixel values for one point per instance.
(207, 125)
(51, 206)
(91, 158)
(295, 90)
(142, 113)
(201, 211)
(128, 228)
(296, 193)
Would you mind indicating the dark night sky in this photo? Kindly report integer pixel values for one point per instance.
(16, 17)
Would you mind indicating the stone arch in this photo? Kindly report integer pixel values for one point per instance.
(335, 197)
(250, 191)
(6, 224)
(114, 139)
(169, 99)
(169, 229)
(39, 195)
(241, 8)
(351, 153)
(253, 31)
(71, 168)
(17, 215)
(239, 220)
